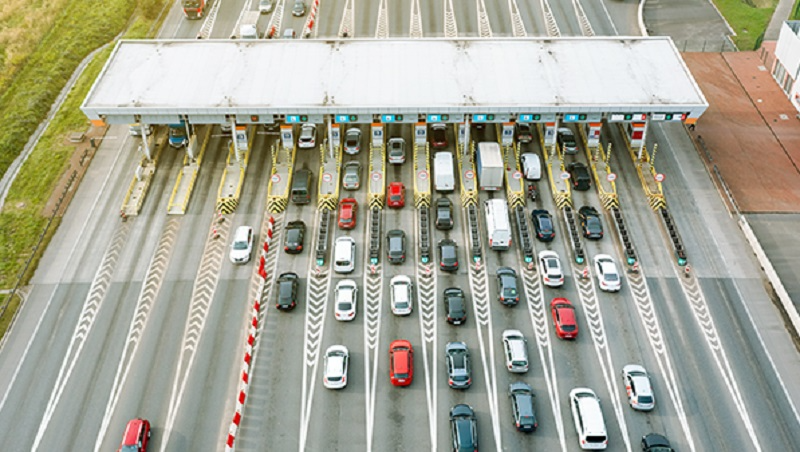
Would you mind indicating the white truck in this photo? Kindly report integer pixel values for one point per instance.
(490, 166)
(248, 25)
(498, 228)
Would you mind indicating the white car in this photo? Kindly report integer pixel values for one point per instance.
(402, 295)
(607, 275)
(308, 136)
(531, 166)
(336, 361)
(550, 266)
(242, 246)
(346, 299)
(638, 388)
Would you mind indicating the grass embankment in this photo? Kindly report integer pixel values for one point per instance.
(748, 18)
(83, 27)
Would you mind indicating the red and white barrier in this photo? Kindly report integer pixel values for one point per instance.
(247, 360)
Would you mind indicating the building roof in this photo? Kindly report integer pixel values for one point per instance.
(366, 76)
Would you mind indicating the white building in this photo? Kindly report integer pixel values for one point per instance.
(786, 68)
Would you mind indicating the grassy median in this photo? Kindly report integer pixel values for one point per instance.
(82, 28)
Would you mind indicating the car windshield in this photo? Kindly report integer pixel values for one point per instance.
(345, 306)
(568, 328)
(611, 277)
(351, 176)
(293, 236)
(394, 197)
(132, 448)
(460, 376)
(240, 245)
(645, 399)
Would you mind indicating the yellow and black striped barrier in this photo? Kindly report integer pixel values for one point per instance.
(227, 205)
(277, 204)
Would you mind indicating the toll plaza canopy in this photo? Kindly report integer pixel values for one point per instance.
(158, 81)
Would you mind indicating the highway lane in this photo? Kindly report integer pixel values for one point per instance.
(577, 362)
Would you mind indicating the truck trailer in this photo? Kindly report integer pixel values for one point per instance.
(490, 166)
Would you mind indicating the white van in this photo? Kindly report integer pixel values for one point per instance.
(444, 178)
(531, 166)
(588, 417)
(344, 255)
(498, 226)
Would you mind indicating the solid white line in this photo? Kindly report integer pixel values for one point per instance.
(47, 416)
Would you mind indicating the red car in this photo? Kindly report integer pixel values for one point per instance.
(564, 318)
(136, 436)
(348, 208)
(397, 195)
(401, 363)
(438, 136)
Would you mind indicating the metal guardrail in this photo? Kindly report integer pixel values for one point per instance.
(525, 238)
(322, 236)
(474, 232)
(627, 244)
(424, 234)
(374, 235)
(574, 234)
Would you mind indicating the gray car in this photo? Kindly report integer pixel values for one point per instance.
(299, 8)
(396, 150)
(459, 371)
(396, 244)
(351, 178)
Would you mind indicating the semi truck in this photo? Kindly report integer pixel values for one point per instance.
(490, 166)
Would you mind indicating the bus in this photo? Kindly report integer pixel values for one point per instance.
(195, 9)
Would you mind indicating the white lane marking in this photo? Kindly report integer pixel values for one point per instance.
(586, 26)
(347, 26)
(594, 318)
(415, 25)
(479, 286)
(382, 25)
(718, 246)
(97, 293)
(549, 19)
(147, 297)
(450, 24)
(537, 310)
(318, 288)
(373, 296)
(516, 20)
(484, 27)
(647, 314)
(88, 216)
(702, 315)
(426, 299)
(205, 285)
(610, 21)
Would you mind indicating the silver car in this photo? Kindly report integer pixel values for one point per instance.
(352, 141)
(351, 177)
(396, 150)
(638, 387)
(299, 8)
(265, 6)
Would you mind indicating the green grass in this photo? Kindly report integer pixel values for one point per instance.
(22, 220)
(749, 22)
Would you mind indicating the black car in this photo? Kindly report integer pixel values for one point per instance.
(287, 291)
(396, 246)
(455, 305)
(653, 442)
(522, 399)
(524, 132)
(448, 255)
(295, 233)
(579, 175)
(507, 292)
(464, 428)
(444, 213)
(459, 372)
(543, 225)
(590, 223)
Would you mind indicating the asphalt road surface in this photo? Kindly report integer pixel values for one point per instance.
(148, 317)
